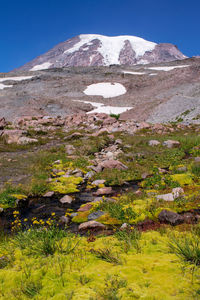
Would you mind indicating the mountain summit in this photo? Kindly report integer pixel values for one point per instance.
(100, 50)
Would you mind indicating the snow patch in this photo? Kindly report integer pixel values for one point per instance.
(19, 78)
(101, 108)
(43, 66)
(3, 86)
(105, 89)
(133, 73)
(166, 69)
(110, 47)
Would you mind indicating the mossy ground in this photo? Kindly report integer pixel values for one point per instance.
(152, 273)
(73, 267)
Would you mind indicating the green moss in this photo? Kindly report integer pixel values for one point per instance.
(81, 274)
(65, 185)
(182, 179)
(81, 217)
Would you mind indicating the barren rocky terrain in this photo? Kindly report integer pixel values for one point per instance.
(156, 93)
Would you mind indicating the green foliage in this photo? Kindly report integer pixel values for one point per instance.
(196, 169)
(7, 197)
(187, 248)
(112, 285)
(116, 116)
(107, 255)
(40, 241)
(130, 239)
(159, 181)
(116, 210)
(31, 288)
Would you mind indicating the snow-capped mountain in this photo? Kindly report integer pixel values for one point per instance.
(99, 50)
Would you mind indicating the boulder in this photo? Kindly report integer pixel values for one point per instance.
(3, 123)
(91, 225)
(69, 149)
(170, 217)
(95, 215)
(26, 140)
(171, 144)
(86, 207)
(166, 197)
(113, 164)
(104, 191)
(177, 192)
(99, 181)
(154, 143)
(49, 194)
(66, 200)
(64, 220)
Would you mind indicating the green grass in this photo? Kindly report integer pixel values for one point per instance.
(186, 248)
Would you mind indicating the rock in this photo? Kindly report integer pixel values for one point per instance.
(12, 136)
(73, 215)
(177, 192)
(91, 225)
(89, 175)
(104, 191)
(97, 182)
(86, 207)
(3, 123)
(64, 220)
(118, 142)
(66, 200)
(95, 215)
(57, 162)
(171, 144)
(125, 226)
(182, 169)
(48, 194)
(170, 217)
(189, 218)
(75, 135)
(70, 149)
(166, 197)
(113, 164)
(26, 140)
(154, 143)
(197, 159)
(109, 155)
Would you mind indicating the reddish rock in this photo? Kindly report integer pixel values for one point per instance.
(104, 191)
(86, 207)
(91, 225)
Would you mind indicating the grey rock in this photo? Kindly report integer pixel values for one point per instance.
(153, 143)
(64, 220)
(170, 217)
(95, 215)
(171, 144)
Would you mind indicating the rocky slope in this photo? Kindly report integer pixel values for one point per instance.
(155, 92)
(99, 50)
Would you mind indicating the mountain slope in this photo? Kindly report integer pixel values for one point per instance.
(99, 50)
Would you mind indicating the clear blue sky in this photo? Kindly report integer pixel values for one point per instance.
(29, 28)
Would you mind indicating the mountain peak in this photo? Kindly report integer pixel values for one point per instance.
(101, 50)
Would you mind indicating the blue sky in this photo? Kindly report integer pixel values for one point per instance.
(29, 28)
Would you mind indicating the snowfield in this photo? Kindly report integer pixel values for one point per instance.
(166, 69)
(101, 108)
(110, 47)
(43, 66)
(3, 86)
(134, 73)
(105, 89)
(19, 78)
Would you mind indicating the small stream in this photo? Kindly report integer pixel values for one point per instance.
(43, 207)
